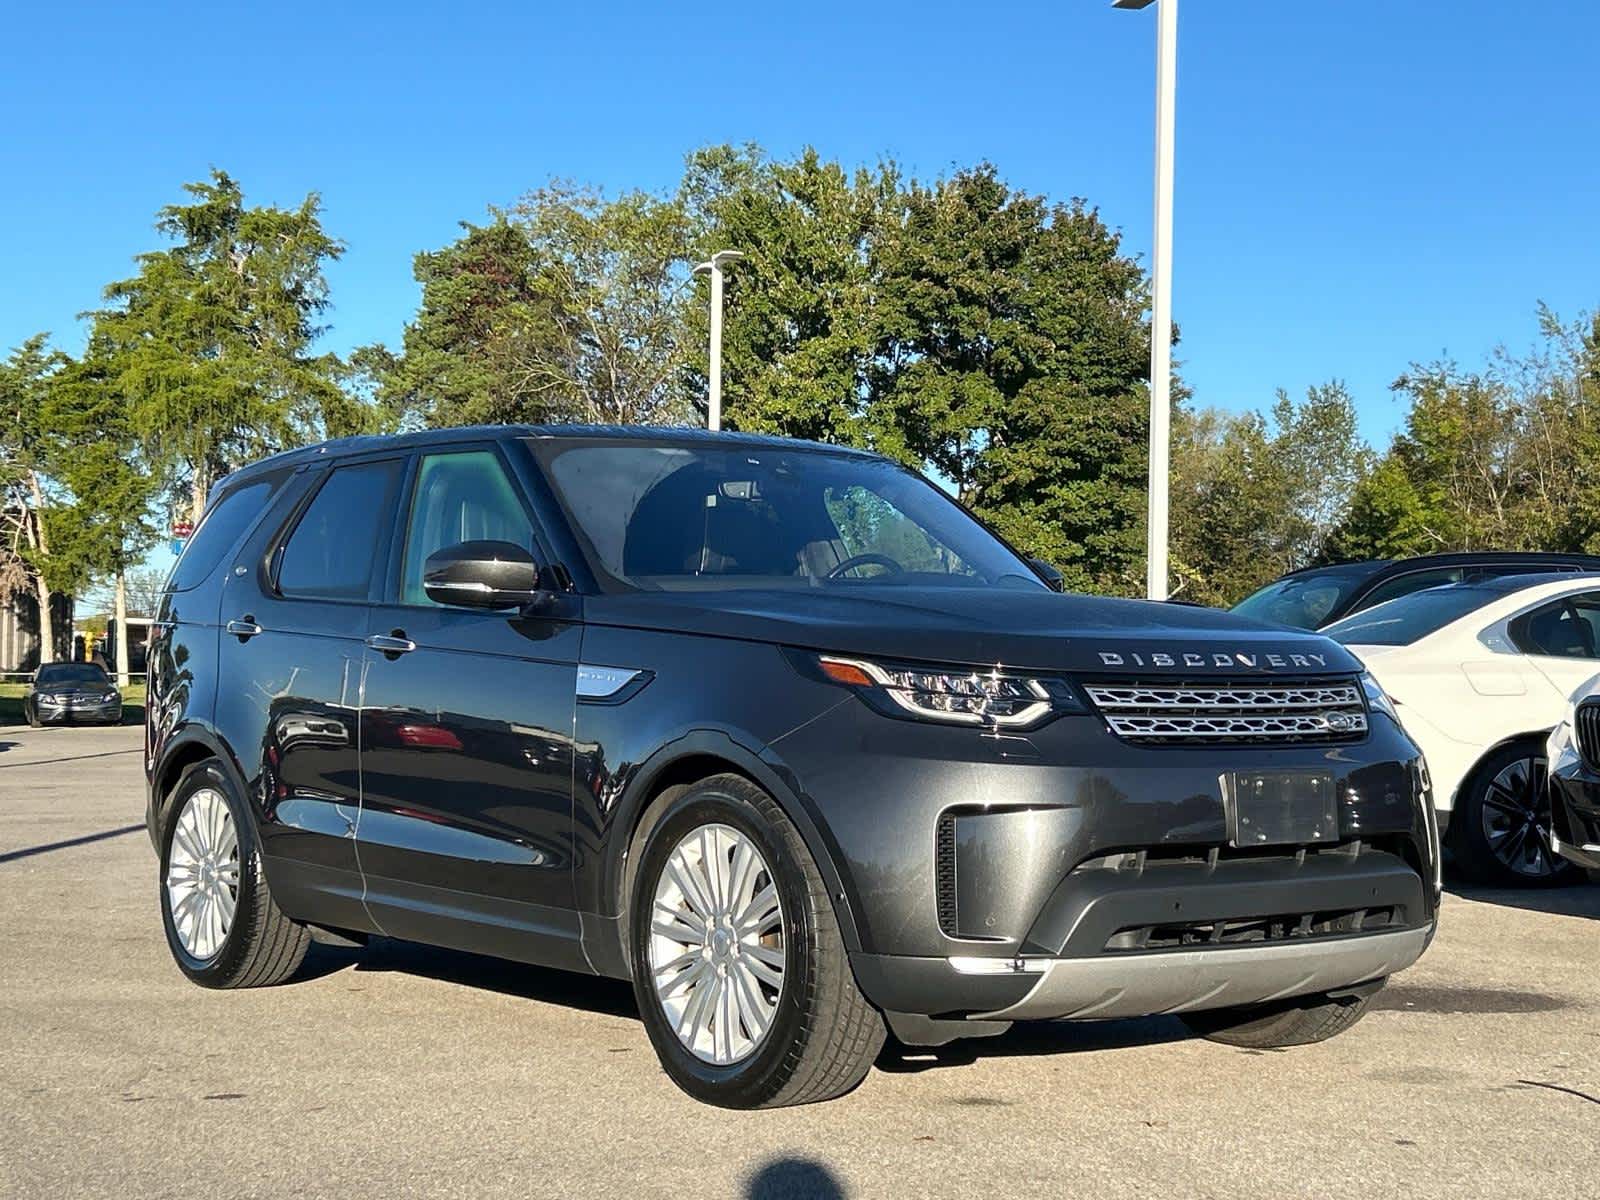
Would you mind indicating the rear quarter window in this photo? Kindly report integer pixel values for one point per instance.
(224, 523)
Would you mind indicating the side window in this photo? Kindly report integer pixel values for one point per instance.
(220, 529)
(329, 555)
(1404, 585)
(459, 497)
(1568, 628)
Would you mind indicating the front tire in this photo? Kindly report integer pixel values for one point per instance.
(738, 965)
(222, 926)
(1297, 1022)
(1500, 832)
(33, 717)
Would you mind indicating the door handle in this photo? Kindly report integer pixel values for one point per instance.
(244, 628)
(392, 644)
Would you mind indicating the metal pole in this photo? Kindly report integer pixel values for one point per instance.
(1161, 300)
(714, 405)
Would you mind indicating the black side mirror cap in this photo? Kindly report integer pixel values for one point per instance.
(1046, 571)
(483, 574)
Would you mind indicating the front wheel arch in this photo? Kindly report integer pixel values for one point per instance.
(696, 756)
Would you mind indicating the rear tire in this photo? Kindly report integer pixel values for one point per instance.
(1499, 833)
(1297, 1022)
(820, 1035)
(228, 932)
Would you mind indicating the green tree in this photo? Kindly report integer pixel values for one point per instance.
(211, 342)
(1505, 457)
(1256, 495)
(39, 552)
(567, 306)
(1013, 360)
(108, 518)
(801, 333)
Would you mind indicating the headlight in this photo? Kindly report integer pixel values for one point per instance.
(1377, 699)
(993, 698)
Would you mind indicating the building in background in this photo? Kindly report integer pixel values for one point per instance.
(19, 630)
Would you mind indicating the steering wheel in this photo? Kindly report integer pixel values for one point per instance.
(866, 560)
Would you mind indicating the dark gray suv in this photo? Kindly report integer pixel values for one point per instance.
(776, 730)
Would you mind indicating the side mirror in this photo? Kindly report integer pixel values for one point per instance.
(481, 575)
(1047, 572)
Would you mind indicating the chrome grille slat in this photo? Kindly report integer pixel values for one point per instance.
(1190, 712)
(1588, 732)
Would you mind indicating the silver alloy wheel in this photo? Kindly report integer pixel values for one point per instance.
(1516, 818)
(716, 944)
(203, 873)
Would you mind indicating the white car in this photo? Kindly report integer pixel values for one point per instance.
(1480, 673)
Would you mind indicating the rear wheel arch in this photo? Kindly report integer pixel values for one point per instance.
(190, 748)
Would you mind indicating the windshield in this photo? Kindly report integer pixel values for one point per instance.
(1303, 601)
(71, 673)
(680, 517)
(1409, 618)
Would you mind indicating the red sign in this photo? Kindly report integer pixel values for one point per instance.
(182, 529)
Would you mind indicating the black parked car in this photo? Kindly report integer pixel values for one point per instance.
(776, 730)
(70, 693)
(1318, 596)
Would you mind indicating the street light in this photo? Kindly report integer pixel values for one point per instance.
(1161, 293)
(714, 398)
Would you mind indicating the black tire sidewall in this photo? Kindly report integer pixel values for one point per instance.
(752, 1081)
(220, 968)
(1467, 837)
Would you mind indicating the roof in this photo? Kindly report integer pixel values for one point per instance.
(676, 435)
(1448, 558)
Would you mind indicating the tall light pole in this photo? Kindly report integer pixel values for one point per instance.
(1161, 293)
(714, 397)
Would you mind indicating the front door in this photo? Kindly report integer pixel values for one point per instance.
(294, 619)
(466, 737)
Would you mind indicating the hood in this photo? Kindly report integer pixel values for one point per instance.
(990, 626)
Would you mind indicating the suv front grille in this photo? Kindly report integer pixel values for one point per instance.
(1587, 729)
(1169, 712)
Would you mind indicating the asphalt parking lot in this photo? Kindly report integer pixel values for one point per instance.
(400, 1070)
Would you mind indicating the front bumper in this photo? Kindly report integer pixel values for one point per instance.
(67, 714)
(1069, 874)
(1574, 802)
(1220, 977)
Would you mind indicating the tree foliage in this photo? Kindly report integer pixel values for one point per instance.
(1504, 458)
(567, 306)
(210, 344)
(981, 333)
(1255, 495)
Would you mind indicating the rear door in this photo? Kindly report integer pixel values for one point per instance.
(1562, 641)
(294, 618)
(466, 734)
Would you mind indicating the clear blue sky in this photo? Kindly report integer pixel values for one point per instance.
(1360, 183)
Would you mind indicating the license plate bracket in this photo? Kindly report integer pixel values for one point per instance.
(1277, 808)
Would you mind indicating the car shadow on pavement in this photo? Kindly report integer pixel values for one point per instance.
(1576, 900)
(544, 984)
(794, 1179)
(1030, 1038)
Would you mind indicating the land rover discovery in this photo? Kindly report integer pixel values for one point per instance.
(776, 730)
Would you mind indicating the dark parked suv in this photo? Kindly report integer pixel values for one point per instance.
(1316, 597)
(776, 730)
